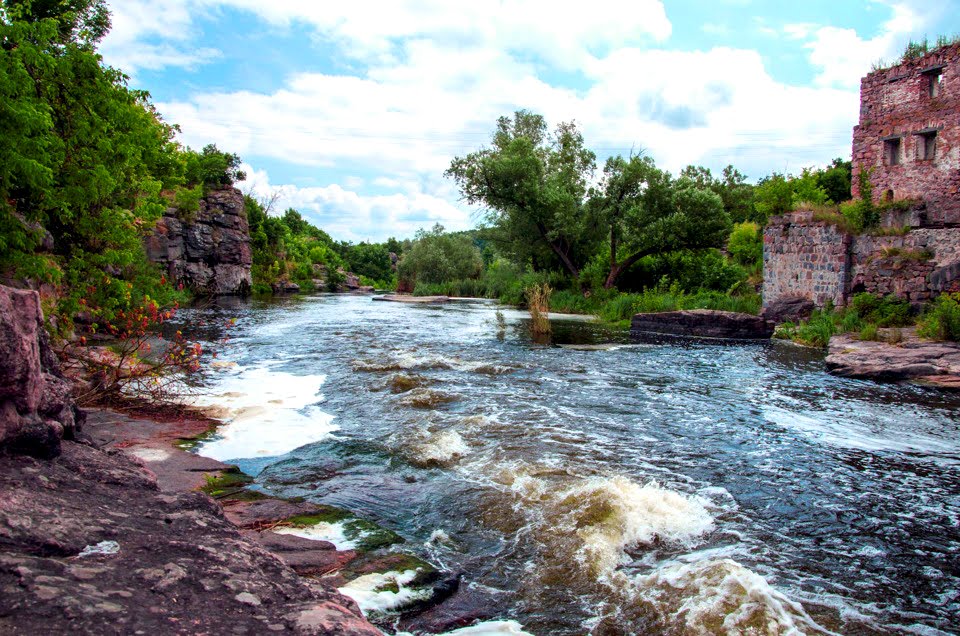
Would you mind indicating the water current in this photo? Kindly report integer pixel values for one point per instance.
(597, 484)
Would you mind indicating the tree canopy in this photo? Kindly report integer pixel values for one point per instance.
(532, 184)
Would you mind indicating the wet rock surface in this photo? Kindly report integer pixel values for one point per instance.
(703, 323)
(208, 251)
(36, 409)
(89, 544)
(910, 358)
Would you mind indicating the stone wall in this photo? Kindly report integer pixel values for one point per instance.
(209, 253)
(900, 114)
(803, 258)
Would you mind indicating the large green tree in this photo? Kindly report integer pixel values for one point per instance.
(532, 184)
(644, 212)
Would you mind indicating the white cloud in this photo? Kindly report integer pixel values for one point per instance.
(844, 56)
(435, 76)
(348, 215)
(152, 34)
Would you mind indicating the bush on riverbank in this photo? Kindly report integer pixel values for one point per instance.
(866, 314)
(941, 320)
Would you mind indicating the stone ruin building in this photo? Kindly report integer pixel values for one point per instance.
(908, 141)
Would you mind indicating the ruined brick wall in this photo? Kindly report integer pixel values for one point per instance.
(805, 258)
(900, 113)
(815, 260)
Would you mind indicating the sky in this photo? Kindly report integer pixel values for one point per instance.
(351, 111)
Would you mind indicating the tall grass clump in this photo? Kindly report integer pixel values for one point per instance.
(538, 302)
(941, 321)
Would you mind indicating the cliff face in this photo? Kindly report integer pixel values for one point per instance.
(209, 254)
(36, 410)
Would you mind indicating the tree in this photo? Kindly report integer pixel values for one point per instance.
(645, 212)
(533, 185)
(438, 257)
(836, 180)
(371, 260)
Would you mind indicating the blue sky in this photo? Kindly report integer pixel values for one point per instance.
(351, 111)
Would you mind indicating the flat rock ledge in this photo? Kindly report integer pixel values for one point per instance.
(928, 362)
(703, 323)
(413, 300)
(89, 544)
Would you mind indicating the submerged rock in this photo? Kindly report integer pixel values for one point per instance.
(703, 323)
(909, 358)
(36, 408)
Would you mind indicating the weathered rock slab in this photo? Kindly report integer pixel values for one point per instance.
(89, 545)
(703, 323)
(911, 358)
(36, 408)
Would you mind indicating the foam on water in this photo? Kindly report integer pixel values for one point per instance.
(720, 596)
(870, 432)
(437, 449)
(266, 413)
(382, 592)
(613, 514)
(490, 628)
(334, 532)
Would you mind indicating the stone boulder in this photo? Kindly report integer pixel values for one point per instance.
(909, 358)
(209, 253)
(285, 287)
(703, 323)
(788, 309)
(36, 408)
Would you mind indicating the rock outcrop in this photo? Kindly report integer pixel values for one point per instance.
(209, 253)
(88, 544)
(36, 409)
(703, 323)
(909, 358)
(788, 309)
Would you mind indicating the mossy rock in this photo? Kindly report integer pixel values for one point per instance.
(190, 444)
(231, 483)
(368, 535)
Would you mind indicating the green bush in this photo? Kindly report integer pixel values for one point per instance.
(941, 321)
(746, 244)
(888, 311)
(187, 202)
(869, 332)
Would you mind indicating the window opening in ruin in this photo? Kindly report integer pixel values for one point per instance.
(935, 86)
(888, 195)
(891, 148)
(928, 146)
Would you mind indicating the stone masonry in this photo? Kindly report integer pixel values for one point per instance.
(210, 254)
(909, 135)
(804, 258)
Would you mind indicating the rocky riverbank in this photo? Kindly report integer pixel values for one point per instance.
(902, 356)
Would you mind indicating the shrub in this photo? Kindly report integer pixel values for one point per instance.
(869, 332)
(888, 311)
(746, 244)
(941, 321)
(187, 202)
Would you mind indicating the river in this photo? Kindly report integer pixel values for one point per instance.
(596, 484)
